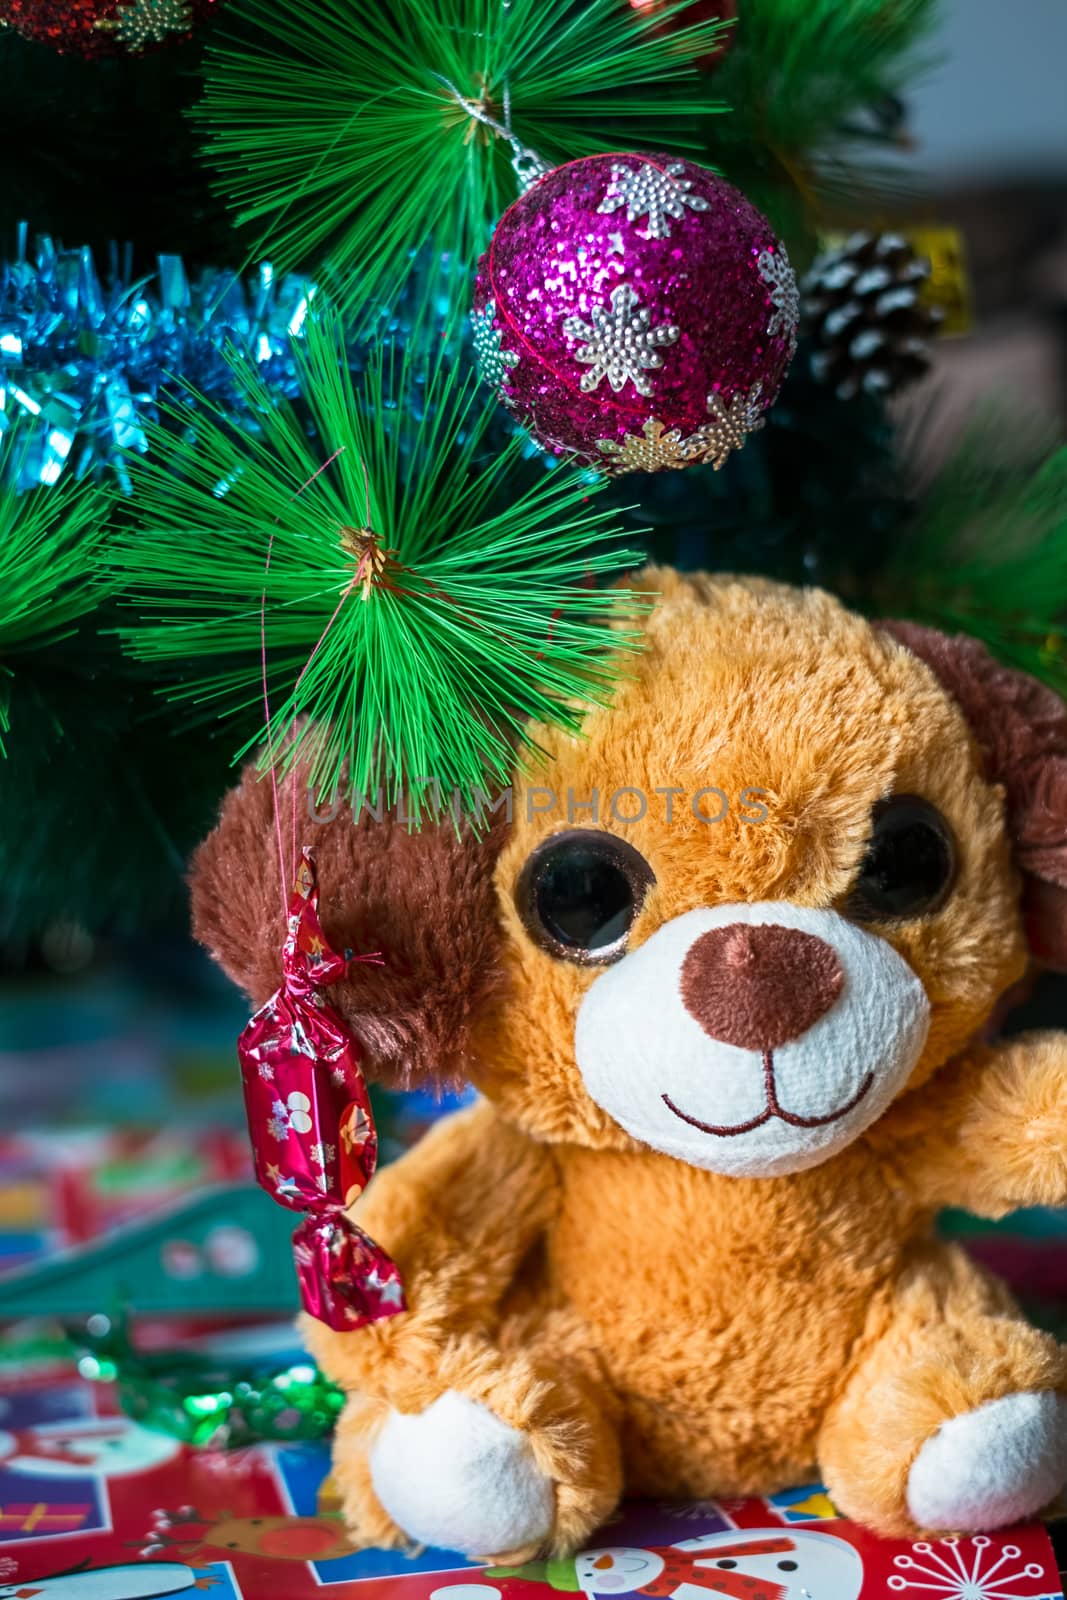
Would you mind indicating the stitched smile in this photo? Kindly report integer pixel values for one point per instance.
(772, 1109)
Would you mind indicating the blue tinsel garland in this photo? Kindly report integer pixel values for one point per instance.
(84, 363)
(89, 365)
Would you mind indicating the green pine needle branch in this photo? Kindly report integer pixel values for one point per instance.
(337, 136)
(50, 575)
(987, 552)
(421, 596)
(808, 83)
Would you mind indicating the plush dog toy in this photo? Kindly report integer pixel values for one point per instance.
(724, 983)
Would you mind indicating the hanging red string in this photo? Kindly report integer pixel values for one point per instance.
(309, 1114)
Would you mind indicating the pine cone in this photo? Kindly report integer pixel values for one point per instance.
(861, 306)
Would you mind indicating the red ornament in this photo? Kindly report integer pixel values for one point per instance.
(699, 11)
(309, 1117)
(94, 28)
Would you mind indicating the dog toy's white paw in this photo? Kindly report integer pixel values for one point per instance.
(991, 1466)
(455, 1475)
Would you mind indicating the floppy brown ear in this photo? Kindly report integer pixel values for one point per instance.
(424, 900)
(1021, 726)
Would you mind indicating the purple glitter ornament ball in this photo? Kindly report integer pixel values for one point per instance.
(635, 312)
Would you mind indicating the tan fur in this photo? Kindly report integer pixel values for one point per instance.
(670, 1330)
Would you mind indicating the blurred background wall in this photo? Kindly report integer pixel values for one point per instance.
(989, 124)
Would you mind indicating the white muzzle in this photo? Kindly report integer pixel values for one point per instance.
(752, 1039)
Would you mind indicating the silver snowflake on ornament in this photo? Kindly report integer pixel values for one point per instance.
(964, 1569)
(780, 279)
(144, 22)
(322, 1154)
(651, 192)
(652, 450)
(266, 1072)
(494, 362)
(620, 343)
(730, 425)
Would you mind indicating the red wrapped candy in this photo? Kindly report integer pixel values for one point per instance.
(309, 1117)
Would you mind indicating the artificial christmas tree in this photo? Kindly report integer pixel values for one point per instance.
(382, 344)
(315, 131)
(316, 128)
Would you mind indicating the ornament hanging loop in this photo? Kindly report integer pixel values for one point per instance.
(527, 165)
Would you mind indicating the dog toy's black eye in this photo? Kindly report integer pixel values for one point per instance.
(579, 892)
(910, 863)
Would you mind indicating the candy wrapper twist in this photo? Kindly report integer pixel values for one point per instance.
(309, 1117)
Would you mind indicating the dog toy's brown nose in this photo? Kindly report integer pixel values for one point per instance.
(759, 985)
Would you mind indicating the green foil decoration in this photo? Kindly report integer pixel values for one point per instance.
(204, 1402)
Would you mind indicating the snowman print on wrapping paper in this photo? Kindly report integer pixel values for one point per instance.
(100, 1447)
(743, 1564)
(127, 1582)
